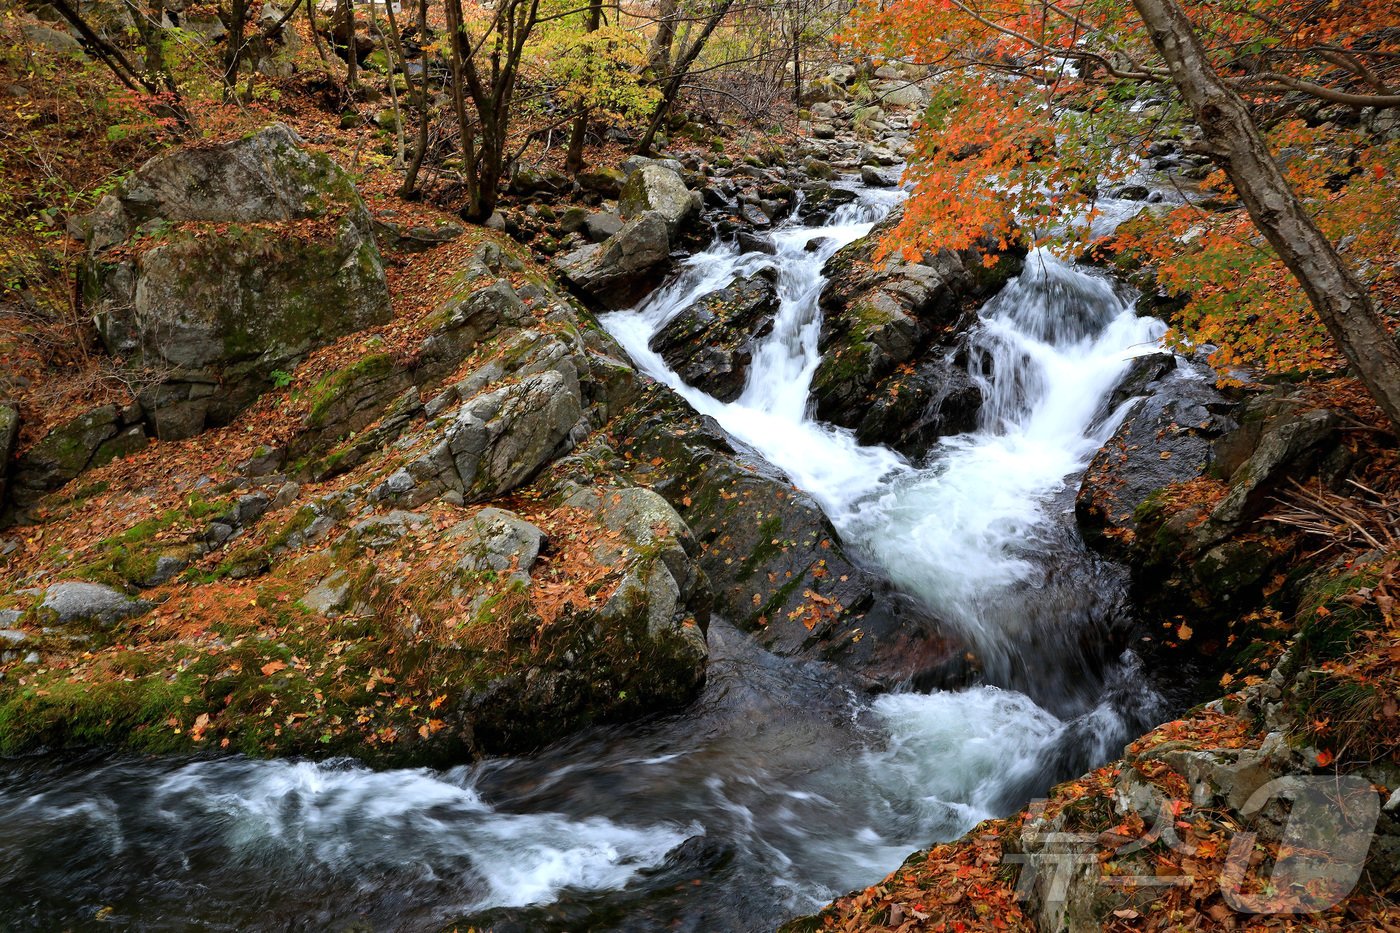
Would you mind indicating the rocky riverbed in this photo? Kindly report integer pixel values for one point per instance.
(687, 567)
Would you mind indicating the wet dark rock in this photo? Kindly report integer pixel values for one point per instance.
(1168, 436)
(820, 203)
(935, 399)
(750, 242)
(888, 335)
(777, 567)
(877, 177)
(1132, 192)
(1196, 557)
(710, 343)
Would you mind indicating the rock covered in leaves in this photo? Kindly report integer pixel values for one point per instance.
(710, 343)
(213, 267)
(881, 321)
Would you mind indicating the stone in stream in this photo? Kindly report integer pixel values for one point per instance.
(1167, 437)
(776, 564)
(710, 344)
(890, 340)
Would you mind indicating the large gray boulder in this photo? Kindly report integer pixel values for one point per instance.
(212, 268)
(88, 604)
(624, 267)
(653, 187)
(496, 441)
(710, 343)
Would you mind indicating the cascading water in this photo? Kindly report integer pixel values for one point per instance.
(779, 789)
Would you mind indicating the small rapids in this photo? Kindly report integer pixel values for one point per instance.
(780, 789)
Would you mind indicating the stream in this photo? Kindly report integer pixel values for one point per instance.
(780, 788)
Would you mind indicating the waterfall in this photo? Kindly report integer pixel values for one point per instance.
(967, 532)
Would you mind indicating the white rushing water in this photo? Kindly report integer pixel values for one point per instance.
(956, 532)
(760, 802)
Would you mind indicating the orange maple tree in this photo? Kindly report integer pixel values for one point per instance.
(1038, 107)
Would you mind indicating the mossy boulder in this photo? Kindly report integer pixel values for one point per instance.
(89, 440)
(212, 268)
(77, 605)
(880, 319)
(654, 187)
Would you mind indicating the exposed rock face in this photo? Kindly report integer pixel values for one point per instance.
(213, 311)
(710, 343)
(1167, 437)
(498, 541)
(776, 564)
(500, 439)
(623, 267)
(879, 323)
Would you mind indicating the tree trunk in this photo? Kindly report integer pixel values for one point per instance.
(352, 55)
(672, 86)
(659, 56)
(578, 136)
(233, 48)
(796, 53)
(1341, 301)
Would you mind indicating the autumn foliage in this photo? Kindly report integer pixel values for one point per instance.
(1040, 109)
